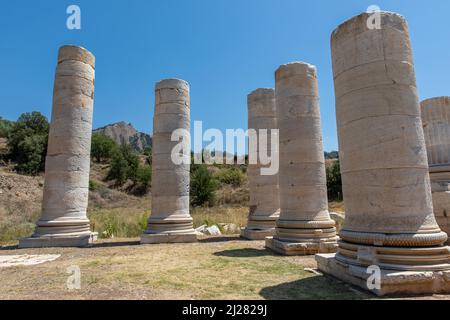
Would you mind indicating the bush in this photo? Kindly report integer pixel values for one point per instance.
(5, 127)
(124, 166)
(334, 182)
(27, 142)
(203, 186)
(93, 186)
(231, 176)
(102, 147)
(143, 179)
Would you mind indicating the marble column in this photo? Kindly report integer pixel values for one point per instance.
(64, 221)
(264, 193)
(304, 225)
(389, 223)
(436, 127)
(170, 221)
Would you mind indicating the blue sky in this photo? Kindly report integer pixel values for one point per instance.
(224, 48)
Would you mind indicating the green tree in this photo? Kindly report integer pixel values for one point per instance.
(102, 147)
(203, 187)
(143, 179)
(124, 166)
(334, 181)
(5, 127)
(119, 168)
(231, 176)
(27, 142)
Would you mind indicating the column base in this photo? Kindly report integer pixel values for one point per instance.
(168, 238)
(392, 282)
(251, 234)
(58, 241)
(300, 248)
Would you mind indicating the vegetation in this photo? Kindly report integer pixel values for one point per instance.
(332, 155)
(334, 182)
(143, 179)
(102, 147)
(231, 176)
(27, 142)
(5, 127)
(203, 186)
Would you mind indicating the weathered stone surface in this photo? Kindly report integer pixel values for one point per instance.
(264, 193)
(170, 220)
(389, 219)
(64, 221)
(304, 225)
(436, 127)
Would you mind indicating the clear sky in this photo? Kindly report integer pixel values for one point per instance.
(223, 48)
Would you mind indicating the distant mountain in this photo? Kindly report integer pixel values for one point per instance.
(332, 155)
(124, 133)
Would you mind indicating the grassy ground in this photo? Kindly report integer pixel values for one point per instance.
(207, 270)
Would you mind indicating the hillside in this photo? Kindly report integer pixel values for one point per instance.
(125, 133)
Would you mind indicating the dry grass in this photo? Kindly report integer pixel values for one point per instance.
(206, 270)
(218, 215)
(337, 206)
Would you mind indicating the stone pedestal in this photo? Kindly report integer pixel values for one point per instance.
(170, 221)
(304, 226)
(64, 221)
(436, 127)
(264, 193)
(389, 221)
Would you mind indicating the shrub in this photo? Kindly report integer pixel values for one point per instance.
(334, 182)
(143, 179)
(27, 142)
(124, 166)
(203, 186)
(119, 169)
(93, 186)
(231, 176)
(102, 147)
(5, 127)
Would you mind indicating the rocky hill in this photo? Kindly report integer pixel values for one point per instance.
(125, 133)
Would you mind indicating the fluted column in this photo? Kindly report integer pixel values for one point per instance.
(436, 127)
(304, 225)
(170, 220)
(389, 219)
(64, 221)
(264, 193)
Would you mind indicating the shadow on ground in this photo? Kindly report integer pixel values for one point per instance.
(314, 288)
(244, 253)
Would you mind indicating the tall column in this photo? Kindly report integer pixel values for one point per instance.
(304, 226)
(389, 219)
(436, 127)
(64, 221)
(264, 193)
(170, 220)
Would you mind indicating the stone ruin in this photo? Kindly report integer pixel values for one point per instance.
(304, 226)
(264, 193)
(436, 127)
(386, 167)
(64, 221)
(389, 224)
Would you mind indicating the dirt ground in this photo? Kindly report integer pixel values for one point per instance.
(214, 268)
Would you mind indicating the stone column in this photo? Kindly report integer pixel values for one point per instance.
(64, 221)
(389, 216)
(436, 127)
(170, 220)
(304, 226)
(264, 195)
